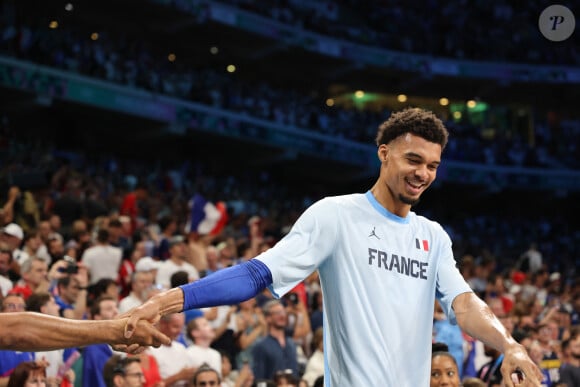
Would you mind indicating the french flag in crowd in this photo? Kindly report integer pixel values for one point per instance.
(205, 217)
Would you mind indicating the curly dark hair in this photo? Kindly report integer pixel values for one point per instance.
(419, 122)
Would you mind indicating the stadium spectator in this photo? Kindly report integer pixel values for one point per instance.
(276, 351)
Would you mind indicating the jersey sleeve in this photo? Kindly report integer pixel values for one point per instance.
(308, 244)
(450, 282)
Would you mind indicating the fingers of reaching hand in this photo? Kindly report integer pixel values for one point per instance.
(149, 335)
(519, 378)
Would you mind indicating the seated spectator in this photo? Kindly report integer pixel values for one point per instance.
(285, 378)
(141, 282)
(27, 374)
(315, 364)
(72, 294)
(276, 351)
(10, 359)
(102, 260)
(474, 382)
(444, 370)
(201, 333)
(176, 262)
(490, 373)
(206, 376)
(174, 365)
(95, 356)
(251, 327)
(5, 267)
(34, 272)
(123, 372)
(45, 303)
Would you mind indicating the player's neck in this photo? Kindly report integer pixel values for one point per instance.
(387, 199)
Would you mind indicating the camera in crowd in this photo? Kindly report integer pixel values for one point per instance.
(292, 298)
(71, 268)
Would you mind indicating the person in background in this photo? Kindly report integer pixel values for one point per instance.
(174, 364)
(276, 351)
(28, 374)
(95, 356)
(205, 376)
(9, 359)
(491, 371)
(315, 365)
(201, 333)
(570, 372)
(444, 370)
(141, 282)
(34, 272)
(123, 372)
(102, 260)
(55, 359)
(5, 267)
(251, 328)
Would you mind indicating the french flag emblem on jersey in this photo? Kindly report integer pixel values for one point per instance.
(422, 244)
(206, 217)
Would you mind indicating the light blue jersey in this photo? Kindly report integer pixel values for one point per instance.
(380, 274)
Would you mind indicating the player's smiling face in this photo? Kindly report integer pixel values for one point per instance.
(410, 167)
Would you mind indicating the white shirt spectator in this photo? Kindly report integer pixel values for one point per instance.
(5, 285)
(171, 359)
(168, 268)
(102, 261)
(199, 355)
(128, 303)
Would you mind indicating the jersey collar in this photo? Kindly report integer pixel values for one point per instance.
(383, 211)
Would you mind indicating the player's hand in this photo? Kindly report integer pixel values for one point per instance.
(148, 311)
(170, 301)
(518, 369)
(144, 335)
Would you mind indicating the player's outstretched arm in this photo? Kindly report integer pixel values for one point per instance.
(225, 287)
(477, 320)
(28, 331)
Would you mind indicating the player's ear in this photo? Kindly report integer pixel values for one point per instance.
(383, 152)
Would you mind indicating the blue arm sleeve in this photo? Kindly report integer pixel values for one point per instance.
(228, 286)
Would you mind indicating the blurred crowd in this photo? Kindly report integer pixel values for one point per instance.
(105, 235)
(448, 29)
(138, 63)
(101, 239)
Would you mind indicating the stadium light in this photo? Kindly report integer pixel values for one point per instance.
(402, 98)
(443, 101)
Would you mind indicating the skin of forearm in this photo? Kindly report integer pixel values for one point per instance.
(169, 302)
(39, 332)
(478, 321)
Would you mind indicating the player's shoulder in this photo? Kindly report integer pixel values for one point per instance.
(344, 200)
(426, 222)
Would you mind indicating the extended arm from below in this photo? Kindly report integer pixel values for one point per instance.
(477, 320)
